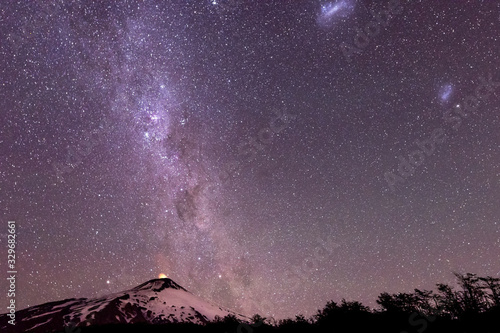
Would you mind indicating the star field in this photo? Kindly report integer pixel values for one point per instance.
(250, 150)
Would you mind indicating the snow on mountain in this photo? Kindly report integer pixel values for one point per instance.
(156, 301)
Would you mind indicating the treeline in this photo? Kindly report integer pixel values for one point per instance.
(473, 307)
(476, 295)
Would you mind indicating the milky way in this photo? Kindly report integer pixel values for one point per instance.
(231, 145)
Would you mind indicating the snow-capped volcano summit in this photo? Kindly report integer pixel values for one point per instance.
(158, 285)
(156, 301)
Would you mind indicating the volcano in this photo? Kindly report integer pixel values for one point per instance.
(158, 301)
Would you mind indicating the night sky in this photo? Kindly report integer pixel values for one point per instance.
(268, 156)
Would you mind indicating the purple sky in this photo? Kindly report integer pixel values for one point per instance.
(261, 155)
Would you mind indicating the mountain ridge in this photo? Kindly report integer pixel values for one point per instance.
(157, 301)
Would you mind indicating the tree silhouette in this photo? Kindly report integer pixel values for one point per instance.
(473, 306)
(492, 287)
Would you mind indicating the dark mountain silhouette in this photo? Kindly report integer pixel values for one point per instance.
(161, 305)
(158, 301)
